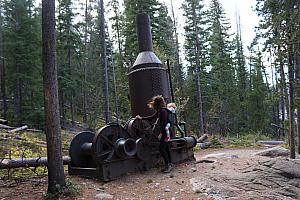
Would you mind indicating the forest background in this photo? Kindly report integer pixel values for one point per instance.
(218, 89)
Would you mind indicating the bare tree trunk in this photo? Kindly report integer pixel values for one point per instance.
(292, 105)
(177, 64)
(104, 61)
(85, 64)
(17, 99)
(3, 88)
(28, 162)
(2, 69)
(116, 99)
(71, 93)
(284, 95)
(62, 107)
(198, 83)
(297, 72)
(56, 176)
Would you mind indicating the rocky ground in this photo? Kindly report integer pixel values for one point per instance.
(216, 174)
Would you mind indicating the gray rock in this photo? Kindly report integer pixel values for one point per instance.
(104, 196)
(220, 155)
(274, 152)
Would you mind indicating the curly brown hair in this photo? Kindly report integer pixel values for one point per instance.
(157, 102)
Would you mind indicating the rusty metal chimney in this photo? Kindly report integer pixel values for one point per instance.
(147, 77)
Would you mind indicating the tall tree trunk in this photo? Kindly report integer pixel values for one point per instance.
(56, 176)
(62, 108)
(85, 64)
(292, 105)
(71, 97)
(297, 72)
(277, 90)
(104, 61)
(177, 63)
(198, 83)
(2, 69)
(18, 99)
(284, 96)
(116, 99)
(3, 87)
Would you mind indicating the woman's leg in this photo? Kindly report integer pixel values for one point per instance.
(164, 153)
(168, 152)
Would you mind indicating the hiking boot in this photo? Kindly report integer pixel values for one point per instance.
(164, 168)
(168, 168)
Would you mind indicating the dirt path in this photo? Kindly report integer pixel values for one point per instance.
(225, 174)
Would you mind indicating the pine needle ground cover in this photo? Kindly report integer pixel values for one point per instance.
(26, 145)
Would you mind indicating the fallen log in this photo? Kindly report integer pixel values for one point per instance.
(274, 152)
(202, 138)
(3, 121)
(205, 145)
(271, 142)
(18, 129)
(28, 162)
(33, 130)
(3, 126)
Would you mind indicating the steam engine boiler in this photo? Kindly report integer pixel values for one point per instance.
(115, 149)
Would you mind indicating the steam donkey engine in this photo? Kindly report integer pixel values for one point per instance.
(115, 150)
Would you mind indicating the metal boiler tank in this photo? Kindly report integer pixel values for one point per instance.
(147, 77)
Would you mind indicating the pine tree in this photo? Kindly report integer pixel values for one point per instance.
(2, 67)
(23, 53)
(56, 176)
(241, 78)
(178, 72)
(258, 94)
(281, 20)
(67, 40)
(120, 80)
(195, 50)
(223, 83)
(104, 61)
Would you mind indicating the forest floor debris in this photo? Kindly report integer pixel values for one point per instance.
(228, 174)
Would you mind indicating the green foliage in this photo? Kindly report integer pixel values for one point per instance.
(69, 190)
(246, 140)
(22, 50)
(27, 145)
(216, 143)
(234, 99)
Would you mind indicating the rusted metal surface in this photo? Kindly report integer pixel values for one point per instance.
(144, 32)
(117, 150)
(148, 76)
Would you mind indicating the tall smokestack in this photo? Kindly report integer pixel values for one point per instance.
(147, 77)
(144, 32)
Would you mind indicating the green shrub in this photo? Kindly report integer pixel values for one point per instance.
(216, 143)
(69, 190)
(246, 140)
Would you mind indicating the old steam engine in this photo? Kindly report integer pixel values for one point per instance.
(115, 150)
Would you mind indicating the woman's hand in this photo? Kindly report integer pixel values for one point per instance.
(138, 117)
(159, 136)
(167, 139)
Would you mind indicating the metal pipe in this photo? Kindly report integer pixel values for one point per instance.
(170, 81)
(144, 32)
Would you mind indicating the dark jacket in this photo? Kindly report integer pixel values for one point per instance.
(162, 114)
